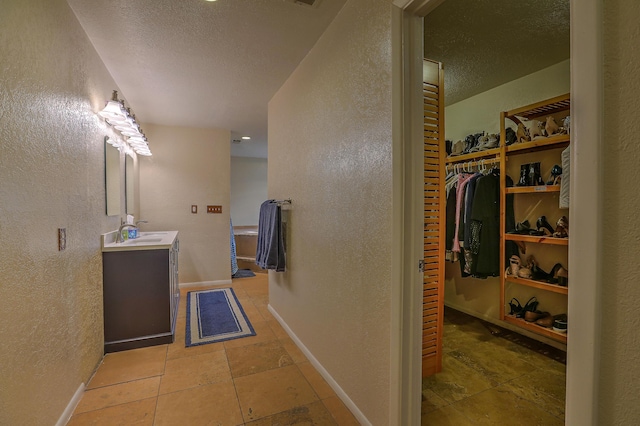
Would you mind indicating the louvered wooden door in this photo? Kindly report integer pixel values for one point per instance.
(434, 218)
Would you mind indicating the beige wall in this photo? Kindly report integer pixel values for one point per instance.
(330, 151)
(620, 346)
(248, 189)
(189, 166)
(52, 174)
(482, 113)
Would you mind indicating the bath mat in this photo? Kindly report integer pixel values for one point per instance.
(215, 316)
(243, 273)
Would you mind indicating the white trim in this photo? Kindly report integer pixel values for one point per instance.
(585, 212)
(204, 283)
(323, 372)
(71, 406)
(586, 199)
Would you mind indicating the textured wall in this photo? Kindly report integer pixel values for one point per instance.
(482, 113)
(52, 174)
(248, 189)
(189, 166)
(330, 151)
(620, 345)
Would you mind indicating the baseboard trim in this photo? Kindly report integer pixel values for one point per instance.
(323, 372)
(68, 412)
(204, 283)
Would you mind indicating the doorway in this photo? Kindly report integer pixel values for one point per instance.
(586, 124)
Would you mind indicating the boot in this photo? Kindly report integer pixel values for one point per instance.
(534, 177)
(524, 172)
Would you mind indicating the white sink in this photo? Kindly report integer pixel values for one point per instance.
(146, 241)
(143, 241)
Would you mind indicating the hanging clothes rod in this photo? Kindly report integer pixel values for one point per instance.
(469, 165)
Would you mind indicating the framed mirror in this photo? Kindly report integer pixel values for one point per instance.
(129, 184)
(112, 177)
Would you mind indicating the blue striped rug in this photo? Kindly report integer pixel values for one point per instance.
(215, 316)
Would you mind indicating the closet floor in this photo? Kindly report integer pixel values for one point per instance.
(259, 380)
(490, 380)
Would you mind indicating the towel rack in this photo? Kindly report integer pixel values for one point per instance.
(281, 202)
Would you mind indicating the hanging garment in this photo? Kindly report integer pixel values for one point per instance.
(486, 212)
(234, 260)
(463, 179)
(270, 251)
(468, 205)
(451, 223)
(564, 182)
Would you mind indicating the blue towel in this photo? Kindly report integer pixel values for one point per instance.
(270, 251)
(234, 260)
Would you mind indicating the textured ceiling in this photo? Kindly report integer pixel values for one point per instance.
(486, 43)
(204, 64)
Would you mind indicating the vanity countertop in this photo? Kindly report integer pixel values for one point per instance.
(157, 240)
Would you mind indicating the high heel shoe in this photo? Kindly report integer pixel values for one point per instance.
(559, 275)
(514, 266)
(536, 272)
(542, 224)
(524, 175)
(562, 228)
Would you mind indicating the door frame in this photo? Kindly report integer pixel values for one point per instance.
(585, 197)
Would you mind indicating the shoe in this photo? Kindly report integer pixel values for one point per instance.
(522, 134)
(542, 223)
(546, 322)
(515, 306)
(562, 228)
(559, 275)
(536, 272)
(524, 273)
(551, 127)
(531, 305)
(514, 265)
(533, 316)
(534, 178)
(524, 180)
(522, 228)
(556, 172)
(560, 323)
(510, 135)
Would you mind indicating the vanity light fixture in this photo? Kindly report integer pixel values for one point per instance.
(123, 120)
(246, 138)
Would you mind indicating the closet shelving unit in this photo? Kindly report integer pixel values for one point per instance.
(540, 110)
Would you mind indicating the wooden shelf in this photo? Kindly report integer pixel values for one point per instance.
(557, 141)
(532, 189)
(535, 328)
(537, 239)
(493, 152)
(538, 284)
(542, 108)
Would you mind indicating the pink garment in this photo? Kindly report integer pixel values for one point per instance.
(463, 179)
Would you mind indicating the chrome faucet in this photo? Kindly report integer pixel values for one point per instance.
(119, 234)
(141, 221)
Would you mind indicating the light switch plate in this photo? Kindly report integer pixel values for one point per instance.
(214, 209)
(194, 209)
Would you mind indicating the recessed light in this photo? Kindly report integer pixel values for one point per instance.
(211, 0)
(246, 138)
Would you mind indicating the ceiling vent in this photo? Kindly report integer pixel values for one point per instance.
(306, 3)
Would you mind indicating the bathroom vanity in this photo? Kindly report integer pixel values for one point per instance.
(141, 293)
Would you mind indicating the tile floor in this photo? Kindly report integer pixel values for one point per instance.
(488, 380)
(259, 380)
